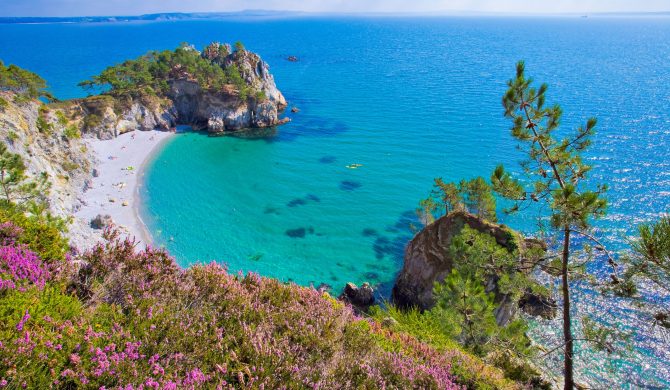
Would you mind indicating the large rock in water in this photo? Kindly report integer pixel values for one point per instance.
(427, 261)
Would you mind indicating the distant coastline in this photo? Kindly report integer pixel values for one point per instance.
(181, 16)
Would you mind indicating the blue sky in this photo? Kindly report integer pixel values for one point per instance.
(135, 7)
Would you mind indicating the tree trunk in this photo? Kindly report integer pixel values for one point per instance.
(567, 326)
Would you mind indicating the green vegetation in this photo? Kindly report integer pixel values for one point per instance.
(464, 310)
(558, 178)
(650, 261)
(25, 84)
(474, 196)
(71, 132)
(150, 74)
(15, 188)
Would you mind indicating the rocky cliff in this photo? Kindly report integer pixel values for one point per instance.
(427, 261)
(48, 144)
(249, 98)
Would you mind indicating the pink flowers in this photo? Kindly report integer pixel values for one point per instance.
(20, 267)
(24, 319)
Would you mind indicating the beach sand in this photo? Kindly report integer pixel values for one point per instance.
(120, 164)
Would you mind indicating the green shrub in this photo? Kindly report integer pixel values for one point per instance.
(62, 119)
(43, 126)
(92, 121)
(12, 136)
(72, 132)
(41, 234)
(3, 103)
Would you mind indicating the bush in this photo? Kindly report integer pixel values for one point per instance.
(72, 132)
(39, 233)
(27, 85)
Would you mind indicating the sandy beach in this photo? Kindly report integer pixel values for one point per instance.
(114, 191)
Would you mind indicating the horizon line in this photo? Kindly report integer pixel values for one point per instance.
(266, 12)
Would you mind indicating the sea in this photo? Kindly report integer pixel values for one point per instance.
(387, 104)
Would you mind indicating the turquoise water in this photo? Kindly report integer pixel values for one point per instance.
(409, 100)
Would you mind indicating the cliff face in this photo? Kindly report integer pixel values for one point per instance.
(187, 102)
(427, 261)
(52, 149)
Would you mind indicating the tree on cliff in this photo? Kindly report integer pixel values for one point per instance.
(15, 187)
(557, 178)
(26, 84)
(474, 196)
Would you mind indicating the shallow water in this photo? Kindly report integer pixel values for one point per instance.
(409, 100)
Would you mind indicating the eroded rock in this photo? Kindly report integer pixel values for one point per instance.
(361, 298)
(102, 221)
(427, 261)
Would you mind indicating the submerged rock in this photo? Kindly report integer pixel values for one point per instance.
(361, 298)
(293, 59)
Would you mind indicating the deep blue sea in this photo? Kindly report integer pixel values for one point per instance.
(409, 99)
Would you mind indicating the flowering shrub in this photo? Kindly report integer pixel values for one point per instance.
(40, 233)
(131, 319)
(19, 266)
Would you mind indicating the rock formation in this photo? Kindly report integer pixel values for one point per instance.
(361, 298)
(188, 102)
(102, 221)
(427, 261)
(48, 148)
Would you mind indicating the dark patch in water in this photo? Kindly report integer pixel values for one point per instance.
(369, 232)
(303, 201)
(255, 256)
(349, 185)
(297, 202)
(327, 159)
(310, 230)
(271, 210)
(296, 233)
(371, 276)
(313, 198)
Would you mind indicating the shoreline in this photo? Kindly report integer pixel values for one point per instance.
(143, 231)
(120, 164)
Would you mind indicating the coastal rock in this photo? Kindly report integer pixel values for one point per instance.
(538, 306)
(361, 298)
(427, 261)
(102, 221)
(295, 109)
(187, 102)
(66, 161)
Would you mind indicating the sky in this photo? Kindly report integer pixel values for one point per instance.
(137, 7)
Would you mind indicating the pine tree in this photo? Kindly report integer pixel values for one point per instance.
(558, 178)
(15, 188)
(650, 261)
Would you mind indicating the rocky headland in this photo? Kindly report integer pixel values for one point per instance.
(427, 261)
(219, 89)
